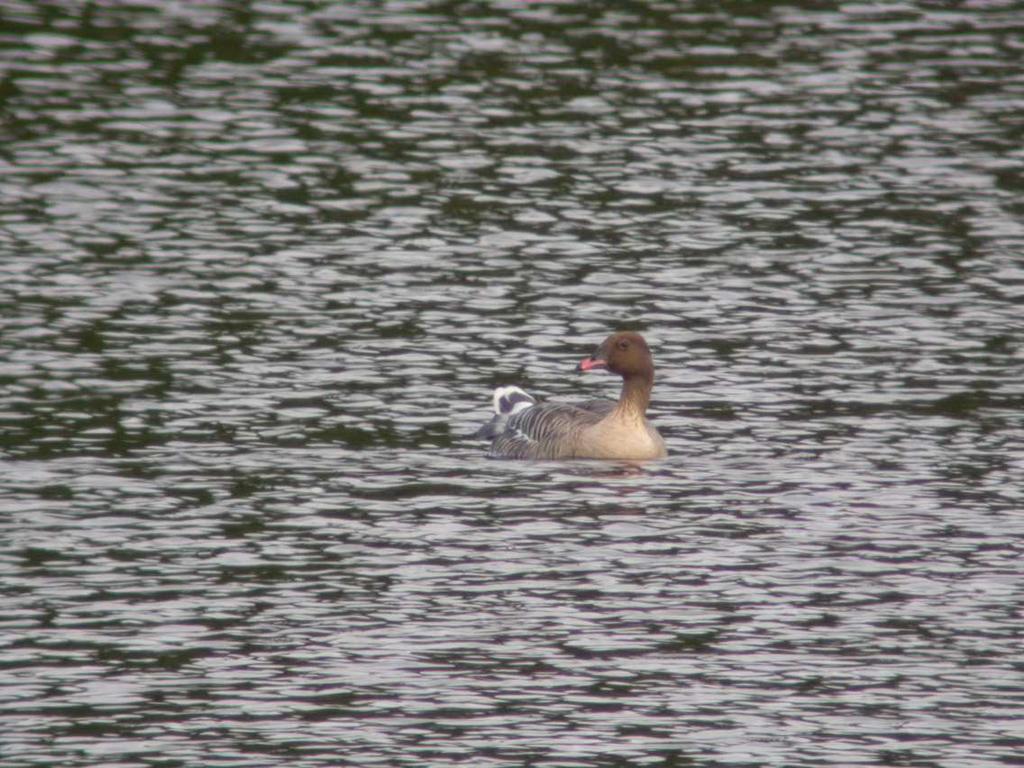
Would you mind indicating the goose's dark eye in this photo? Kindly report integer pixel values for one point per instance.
(623, 344)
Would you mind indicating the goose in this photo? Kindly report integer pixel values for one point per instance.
(523, 428)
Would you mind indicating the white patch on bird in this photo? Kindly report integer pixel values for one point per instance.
(518, 434)
(509, 401)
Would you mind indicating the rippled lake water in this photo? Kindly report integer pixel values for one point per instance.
(260, 266)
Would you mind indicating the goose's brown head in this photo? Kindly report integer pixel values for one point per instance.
(625, 353)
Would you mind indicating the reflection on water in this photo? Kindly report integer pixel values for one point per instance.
(261, 266)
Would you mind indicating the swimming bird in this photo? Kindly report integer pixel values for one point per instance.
(523, 428)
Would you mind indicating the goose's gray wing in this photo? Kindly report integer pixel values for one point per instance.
(603, 407)
(547, 430)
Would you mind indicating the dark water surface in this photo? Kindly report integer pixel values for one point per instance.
(260, 266)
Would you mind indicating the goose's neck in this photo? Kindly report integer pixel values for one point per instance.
(635, 396)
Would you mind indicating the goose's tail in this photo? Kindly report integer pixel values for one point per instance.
(508, 401)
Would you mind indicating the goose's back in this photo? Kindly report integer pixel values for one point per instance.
(548, 430)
